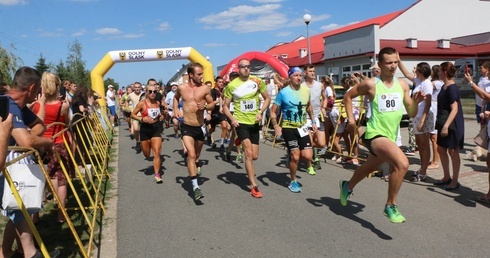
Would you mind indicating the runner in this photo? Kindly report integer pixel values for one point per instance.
(151, 121)
(196, 98)
(317, 95)
(244, 92)
(135, 98)
(127, 107)
(227, 123)
(169, 112)
(387, 95)
(294, 103)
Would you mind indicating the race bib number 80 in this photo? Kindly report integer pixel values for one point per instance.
(389, 102)
(248, 105)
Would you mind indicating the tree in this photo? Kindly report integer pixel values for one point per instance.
(9, 63)
(62, 71)
(41, 65)
(110, 81)
(76, 65)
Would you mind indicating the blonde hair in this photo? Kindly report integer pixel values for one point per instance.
(50, 84)
(327, 82)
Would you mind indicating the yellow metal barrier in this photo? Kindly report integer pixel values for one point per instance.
(95, 134)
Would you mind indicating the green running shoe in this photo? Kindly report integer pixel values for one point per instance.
(316, 164)
(392, 213)
(311, 171)
(239, 158)
(344, 193)
(197, 194)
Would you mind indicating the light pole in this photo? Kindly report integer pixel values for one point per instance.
(307, 19)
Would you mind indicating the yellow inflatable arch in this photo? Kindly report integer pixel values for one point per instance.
(144, 55)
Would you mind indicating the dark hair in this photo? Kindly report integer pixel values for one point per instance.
(217, 78)
(424, 69)
(151, 80)
(486, 65)
(449, 69)
(3, 88)
(192, 68)
(385, 51)
(208, 82)
(25, 77)
(82, 94)
(308, 66)
(435, 72)
(347, 80)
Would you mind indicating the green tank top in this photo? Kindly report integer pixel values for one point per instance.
(386, 111)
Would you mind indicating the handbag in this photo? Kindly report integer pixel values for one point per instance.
(29, 181)
(481, 139)
(441, 120)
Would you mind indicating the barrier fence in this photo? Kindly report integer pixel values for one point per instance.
(89, 162)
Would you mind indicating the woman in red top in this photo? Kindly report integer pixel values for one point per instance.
(151, 128)
(50, 109)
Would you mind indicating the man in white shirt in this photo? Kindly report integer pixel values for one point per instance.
(110, 97)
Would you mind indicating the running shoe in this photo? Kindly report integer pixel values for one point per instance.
(213, 145)
(239, 158)
(158, 179)
(198, 194)
(208, 139)
(392, 213)
(228, 155)
(344, 192)
(410, 152)
(198, 169)
(311, 171)
(294, 187)
(138, 148)
(255, 192)
(131, 136)
(317, 165)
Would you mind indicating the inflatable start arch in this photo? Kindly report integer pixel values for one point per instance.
(275, 63)
(144, 55)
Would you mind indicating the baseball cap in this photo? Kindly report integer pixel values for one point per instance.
(174, 83)
(374, 67)
(110, 86)
(234, 74)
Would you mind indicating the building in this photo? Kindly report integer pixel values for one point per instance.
(449, 30)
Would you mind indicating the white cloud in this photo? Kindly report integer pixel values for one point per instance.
(283, 34)
(49, 34)
(12, 2)
(314, 19)
(245, 19)
(105, 31)
(268, 1)
(24, 36)
(133, 35)
(79, 33)
(333, 26)
(164, 26)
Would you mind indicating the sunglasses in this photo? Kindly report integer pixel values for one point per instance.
(244, 66)
(152, 91)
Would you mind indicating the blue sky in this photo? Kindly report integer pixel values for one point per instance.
(219, 29)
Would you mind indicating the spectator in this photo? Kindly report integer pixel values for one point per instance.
(55, 111)
(483, 91)
(450, 127)
(5, 131)
(111, 103)
(81, 103)
(437, 84)
(25, 86)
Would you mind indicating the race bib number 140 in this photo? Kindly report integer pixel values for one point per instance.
(389, 102)
(248, 105)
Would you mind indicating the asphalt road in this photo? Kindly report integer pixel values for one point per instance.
(163, 220)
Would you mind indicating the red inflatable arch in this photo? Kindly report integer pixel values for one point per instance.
(275, 63)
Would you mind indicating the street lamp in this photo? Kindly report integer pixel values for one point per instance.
(307, 19)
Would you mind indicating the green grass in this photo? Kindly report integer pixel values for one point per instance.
(59, 236)
(468, 105)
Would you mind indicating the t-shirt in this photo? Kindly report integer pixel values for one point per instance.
(293, 103)
(315, 97)
(435, 92)
(215, 94)
(425, 87)
(483, 83)
(110, 98)
(135, 99)
(22, 118)
(329, 92)
(170, 100)
(245, 98)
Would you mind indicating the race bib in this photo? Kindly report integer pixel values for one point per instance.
(303, 130)
(248, 105)
(389, 102)
(153, 112)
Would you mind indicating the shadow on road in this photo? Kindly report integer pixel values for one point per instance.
(348, 212)
(281, 179)
(239, 179)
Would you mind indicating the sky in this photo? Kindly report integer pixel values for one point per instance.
(219, 29)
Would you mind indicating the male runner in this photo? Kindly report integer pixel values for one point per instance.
(244, 92)
(196, 98)
(388, 95)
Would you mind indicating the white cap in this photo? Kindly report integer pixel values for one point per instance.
(374, 67)
(110, 86)
(174, 83)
